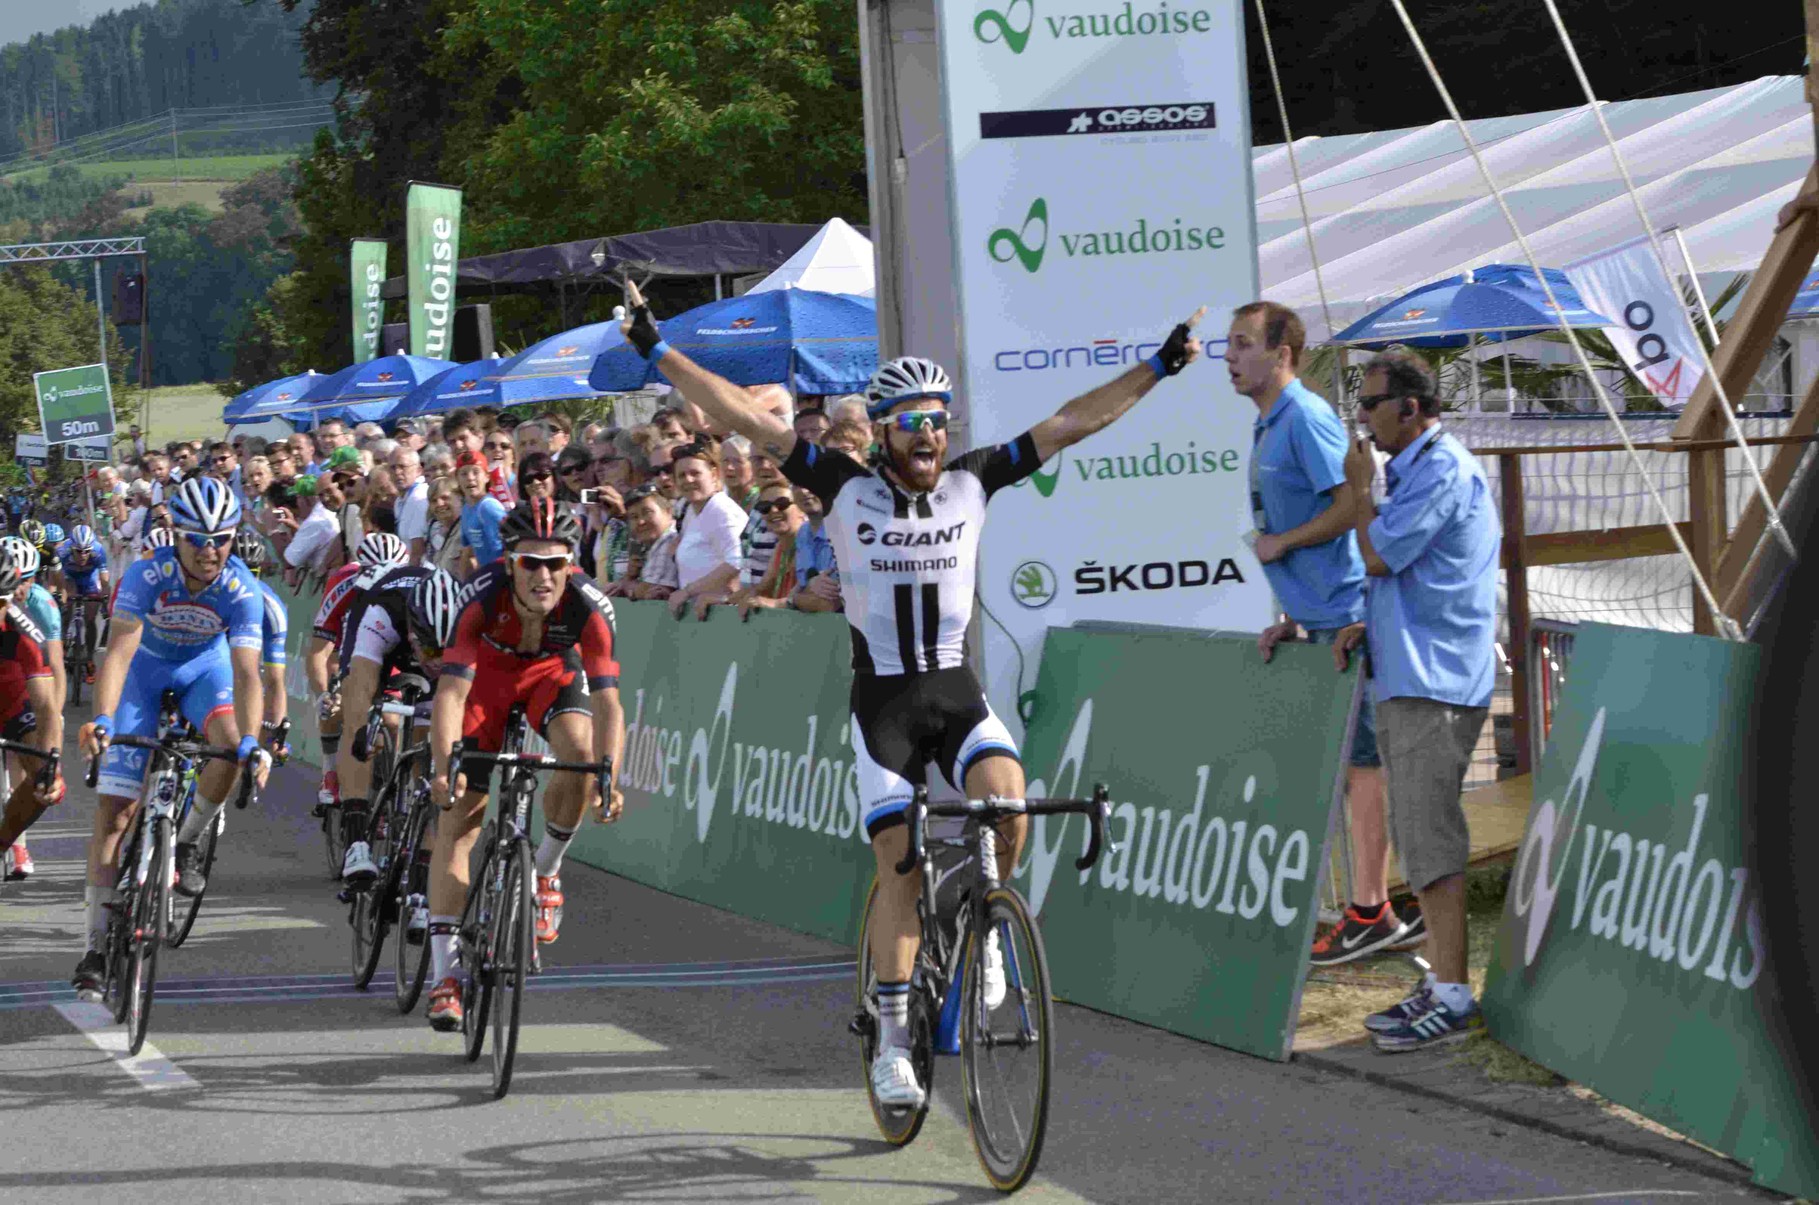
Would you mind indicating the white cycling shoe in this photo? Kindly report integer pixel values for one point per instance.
(995, 988)
(894, 1079)
(358, 868)
(416, 924)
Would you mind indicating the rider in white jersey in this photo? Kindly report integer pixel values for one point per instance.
(906, 537)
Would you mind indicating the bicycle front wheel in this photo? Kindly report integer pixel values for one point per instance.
(476, 950)
(150, 916)
(336, 847)
(1007, 1044)
(512, 943)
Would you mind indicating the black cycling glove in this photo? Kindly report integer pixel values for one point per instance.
(643, 332)
(1172, 358)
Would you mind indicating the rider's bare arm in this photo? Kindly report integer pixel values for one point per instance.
(1097, 409)
(722, 402)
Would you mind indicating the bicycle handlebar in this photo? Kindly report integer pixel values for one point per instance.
(189, 750)
(47, 774)
(531, 761)
(1098, 811)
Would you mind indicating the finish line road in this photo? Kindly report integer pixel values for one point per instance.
(670, 1051)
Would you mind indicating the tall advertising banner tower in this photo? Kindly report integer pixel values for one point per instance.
(432, 244)
(366, 269)
(1100, 178)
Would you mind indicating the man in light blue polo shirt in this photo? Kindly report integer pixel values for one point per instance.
(1431, 619)
(1302, 507)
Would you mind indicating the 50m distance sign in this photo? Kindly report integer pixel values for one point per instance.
(74, 403)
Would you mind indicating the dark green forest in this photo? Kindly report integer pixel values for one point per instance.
(137, 62)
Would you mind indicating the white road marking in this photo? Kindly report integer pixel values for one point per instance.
(149, 1066)
(1634, 1194)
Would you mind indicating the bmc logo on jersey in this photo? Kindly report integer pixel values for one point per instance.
(868, 534)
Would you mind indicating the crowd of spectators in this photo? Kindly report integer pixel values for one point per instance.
(671, 509)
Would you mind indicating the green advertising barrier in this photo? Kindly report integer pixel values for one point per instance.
(1223, 770)
(738, 777)
(1631, 954)
(300, 610)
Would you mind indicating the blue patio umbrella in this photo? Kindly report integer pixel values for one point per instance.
(455, 386)
(1495, 303)
(814, 342)
(1806, 301)
(554, 369)
(361, 393)
(284, 389)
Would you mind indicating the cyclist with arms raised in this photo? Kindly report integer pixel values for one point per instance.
(532, 631)
(914, 699)
(188, 620)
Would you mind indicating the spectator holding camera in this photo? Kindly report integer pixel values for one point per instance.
(1431, 552)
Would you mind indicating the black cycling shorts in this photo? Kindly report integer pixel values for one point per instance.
(901, 722)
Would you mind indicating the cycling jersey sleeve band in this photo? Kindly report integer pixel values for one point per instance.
(824, 473)
(1003, 465)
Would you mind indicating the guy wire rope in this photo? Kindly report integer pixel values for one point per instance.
(1654, 240)
(1726, 625)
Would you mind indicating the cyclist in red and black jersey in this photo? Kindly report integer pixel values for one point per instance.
(533, 631)
(25, 691)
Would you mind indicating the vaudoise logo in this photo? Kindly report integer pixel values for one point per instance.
(1013, 25)
(1027, 243)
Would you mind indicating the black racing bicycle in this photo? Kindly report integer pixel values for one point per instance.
(143, 913)
(497, 939)
(79, 642)
(398, 833)
(998, 1018)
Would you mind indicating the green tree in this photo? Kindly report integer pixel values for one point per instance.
(44, 324)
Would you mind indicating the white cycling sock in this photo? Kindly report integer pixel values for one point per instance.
(1456, 996)
(442, 930)
(199, 818)
(551, 848)
(893, 1015)
(95, 901)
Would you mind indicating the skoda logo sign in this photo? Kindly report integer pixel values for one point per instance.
(1033, 585)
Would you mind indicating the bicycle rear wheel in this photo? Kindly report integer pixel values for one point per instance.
(898, 1125)
(150, 916)
(512, 943)
(369, 914)
(411, 962)
(331, 836)
(1007, 1049)
(187, 910)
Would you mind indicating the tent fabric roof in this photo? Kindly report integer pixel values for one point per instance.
(1395, 209)
(700, 249)
(837, 260)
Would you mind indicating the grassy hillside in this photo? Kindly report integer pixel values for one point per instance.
(149, 171)
(177, 412)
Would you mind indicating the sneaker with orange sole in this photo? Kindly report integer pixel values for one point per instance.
(21, 859)
(549, 908)
(445, 1006)
(1358, 934)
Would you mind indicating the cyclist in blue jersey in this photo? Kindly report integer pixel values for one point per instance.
(188, 620)
(41, 609)
(249, 550)
(85, 583)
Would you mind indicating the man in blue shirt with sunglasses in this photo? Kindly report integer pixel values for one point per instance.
(906, 537)
(190, 619)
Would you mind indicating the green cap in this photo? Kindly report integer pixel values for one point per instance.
(303, 487)
(343, 458)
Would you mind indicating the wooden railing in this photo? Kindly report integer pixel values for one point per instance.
(1705, 532)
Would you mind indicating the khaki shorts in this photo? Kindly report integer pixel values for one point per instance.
(1427, 746)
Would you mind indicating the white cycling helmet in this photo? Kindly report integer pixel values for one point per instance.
(23, 554)
(435, 605)
(161, 537)
(203, 504)
(903, 379)
(249, 546)
(381, 548)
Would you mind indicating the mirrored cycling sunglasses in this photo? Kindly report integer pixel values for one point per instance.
(530, 563)
(919, 420)
(205, 539)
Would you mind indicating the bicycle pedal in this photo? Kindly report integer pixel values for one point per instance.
(862, 1026)
(345, 895)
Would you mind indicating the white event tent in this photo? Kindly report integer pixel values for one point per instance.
(1399, 208)
(838, 259)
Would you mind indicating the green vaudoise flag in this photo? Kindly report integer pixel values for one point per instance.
(367, 265)
(432, 245)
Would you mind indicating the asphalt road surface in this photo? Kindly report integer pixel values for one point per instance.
(670, 1052)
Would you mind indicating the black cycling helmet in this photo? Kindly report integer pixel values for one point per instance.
(540, 519)
(435, 605)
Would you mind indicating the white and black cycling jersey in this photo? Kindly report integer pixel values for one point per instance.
(377, 621)
(908, 561)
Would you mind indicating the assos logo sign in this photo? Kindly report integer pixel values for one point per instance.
(1227, 858)
(1014, 25)
(1647, 894)
(1159, 117)
(1027, 243)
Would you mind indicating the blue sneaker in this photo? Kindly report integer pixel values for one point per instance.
(1407, 1009)
(1436, 1026)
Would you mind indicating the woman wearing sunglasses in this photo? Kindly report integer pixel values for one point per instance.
(501, 474)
